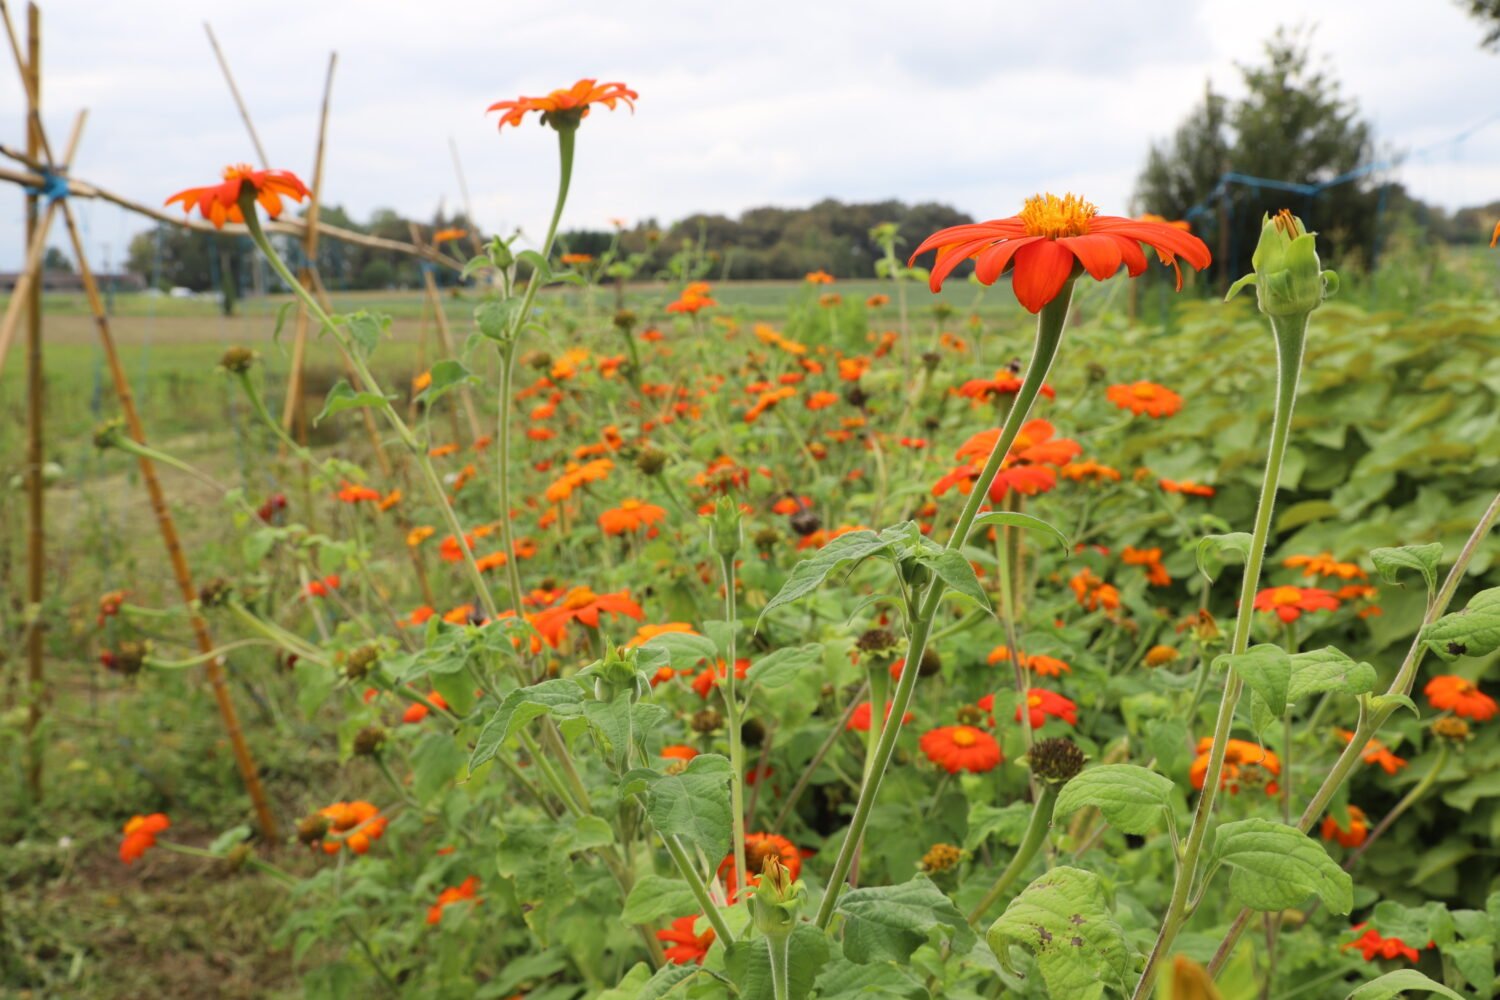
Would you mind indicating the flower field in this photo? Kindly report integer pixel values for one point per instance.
(1022, 619)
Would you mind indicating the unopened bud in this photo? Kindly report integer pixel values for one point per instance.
(237, 360)
(1289, 279)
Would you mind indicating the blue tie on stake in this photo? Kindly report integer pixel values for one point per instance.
(53, 186)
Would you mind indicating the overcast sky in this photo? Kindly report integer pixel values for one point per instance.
(740, 105)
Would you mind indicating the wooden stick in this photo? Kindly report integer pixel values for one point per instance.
(445, 339)
(36, 541)
(463, 192)
(239, 101)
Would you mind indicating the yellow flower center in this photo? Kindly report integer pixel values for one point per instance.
(1050, 216)
(1286, 595)
(1143, 390)
(963, 736)
(1035, 701)
(579, 597)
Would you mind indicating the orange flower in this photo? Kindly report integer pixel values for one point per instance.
(577, 258)
(1372, 946)
(1186, 487)
(1376, 753)
(1089, 469)
(1243, 762)
(693, 298)
(859, 719)
(1042, 244)
(1462, 698)
(1046, 666)
(1005, 383)
(821, 400)
(1150, 559)
(352, 493)
(1041, 703)
(220, 203)
(421, 382)
(416, 711)
(686, 945)
(1323, 564)
(444, 235)
(877, 300)
(1290, 602)
(576, 476)
(583, 606)
(1022, 469)
(646, 633)
(454, 894)
(493, 560)
(140, 835)
(1358, 829)
(766, 400)
(1145, 397)
(1093, 593)
(961, 748)
(759, 847)
(630, 517)
(443, 450)
(819, 277)
(320, 588)
(1495, 236)
(566, 108)
(708, 678)
(356, 824)
(830, 299)
(678, 752)
(420, 534)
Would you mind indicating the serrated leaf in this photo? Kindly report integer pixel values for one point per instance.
(889, 922)
(494, 317)
(365, 330)
(343, 397)
(1476, 629)
(809, 574)
(1014, 519)
(955, 571)
(1393, 984)
(666, 980)
(782, 666)
(748, 964)
(655, 897)
(684, 651)
(692, 804)
(560, 697)
(1276, 867)
(1266, 670)
(876, 980)
(437, 760)
(1063, 918)
(1213, 548)
(1423, 558)
(1393, 701)
(1328, 669)
(1006, 822)
(446, 375)
(1131, 798)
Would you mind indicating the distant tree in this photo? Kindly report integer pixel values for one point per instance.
(173, 257)
(1487, 13)
(56, 260)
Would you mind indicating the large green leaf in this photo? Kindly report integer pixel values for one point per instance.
(1131, 798)
(561, 697)
(782, 666)
(692, 804)
(654, 897)
(1063, 917)
(343, 397)
(1474, 631)
(1213, 548)
(1266, 670)
(889, 922)
(954, 570)
(1014, 519)
(809, 574)
(1423, 558)
(748, 964)
(1276, 867)
(1328, 669)
(1393, 984)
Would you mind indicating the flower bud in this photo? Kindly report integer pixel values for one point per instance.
(777, 900)
(369, 741)
(726, 527)
(237, 360)
(1056, 761)
(1288, 277)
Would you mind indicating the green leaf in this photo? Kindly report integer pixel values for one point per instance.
(666, 979)
(1381, 702)
(748, 964)
(1266, 670)
(560, 697)
(343, 397)
(783, 666)
(692, 804)
(281, 315)
(365, 330)
(809, 574)
(1025, 522)
(1131, 798)
(1276, 867)
(1064, 919)
(684, 651)
(494, 318)
(1307, 512)
(1393, 984)
(314, 684)
(1328, 669)
(1006, 822)
(447, 375)
(1474, 631)
(655, 897)
(1213, 548)
(889, 922)
(436, 762)
(954, 570)
(876, 980)
(1423, 558)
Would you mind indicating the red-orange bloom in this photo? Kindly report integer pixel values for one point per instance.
(961, 748)
(646, 633)
(631, 516)
(686, 945)
(1041, 703)
(1244, 762)
(1289, 603)
(1351, 836)
(453, 894)
(1005, 383)
(1037, 663)
(693, 298)
(1089, 469)
(1093, 593)
(353, 825)
(1372, 946)
(583, 606)
(1145, 397)
(1323, 564)
(819, 277)
(678, 751)
(1150, 560)
(140, 835)
(566, 108)
(220, 203)
(416, 711)
(1376, 753)
(859, 719)
(1024, 468)
(354, 493)
(759, 847)
(1186, 487)
(1041, 245)
(1461, 697)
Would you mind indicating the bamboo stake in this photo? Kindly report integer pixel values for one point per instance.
(445, 339)
(239, 102)
(36, 543)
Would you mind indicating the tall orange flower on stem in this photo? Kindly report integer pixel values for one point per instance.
(566, 108)
(1051, 237)
(220, 203)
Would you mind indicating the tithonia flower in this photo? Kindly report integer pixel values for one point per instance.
(1372, 946)
(759, 847)
(1093, 593)
(686, 946)
(465, 890)
(220, 203)
(961, 748)
(1323, 564)
(1037, 663)
(1145, 397)
(1461, 697)
(859, 719)
(445, 235)
(1090, 471)
(1186, 487)
(1150, 560)
(416, 711)
(819, 277)
(353, 825)
(1025, 468)
(140, 835)
(1041, 703)
(631, 516)
(693, 298)
(1289, 603)
(1376, 753)
(1041, 245)
(583, 606)
(678, 751)
(1244, 763)
(646, 633)
(1005, 383)
(1351, 836)
(566, 108)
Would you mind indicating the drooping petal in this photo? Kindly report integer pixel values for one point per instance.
(1041, 270)
(995, 229)
(1158, 235)
(990, 263)
(950, 257)
(1100, 255)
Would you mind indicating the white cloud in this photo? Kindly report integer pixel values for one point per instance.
(782, 102)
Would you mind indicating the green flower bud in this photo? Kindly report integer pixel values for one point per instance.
(726, 527)
(618, 671)
(1288, 277)
(777, 901)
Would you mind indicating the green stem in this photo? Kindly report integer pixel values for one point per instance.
(700, 890)
(1291, 336)
(1408, 800)
(507, 539)
(736, 741)
(1036, 835)
(1049, 329)
(780, 949)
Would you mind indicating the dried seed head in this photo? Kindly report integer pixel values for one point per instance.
(706, 721)
(369, 741)
(215, 593)
(1056, 760)
(361, 661)
(651, 460)
(877, 640)
(1451, 728)
(940, 858)
(805, 522)
(237, 360)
